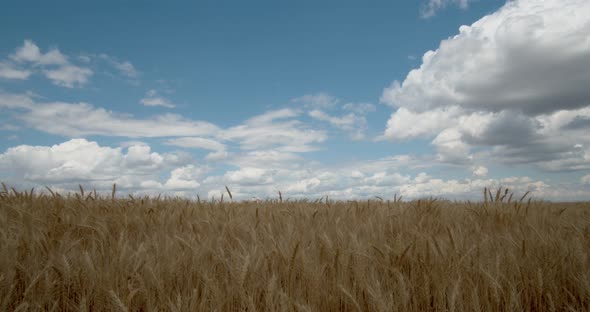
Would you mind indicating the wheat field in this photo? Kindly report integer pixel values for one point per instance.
(86, 252)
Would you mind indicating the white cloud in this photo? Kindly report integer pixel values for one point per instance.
(384, 178)
(270, 116)
(58, 68)
(30, 52)
(54, 65)
(126, 68)
(316, 101)
(340, 122)
(303, 186)
(321, 106)
(16, 101)
(140, 156)
(451, 147)
(275, 130)
(157, 101)
(217, 155)
(69, 75)
(82, 161)
(529, 55)
(511, 85)
(153, 99)
(196, 142)
(84, 119)
(355, 125)
(138, 169)
(585, 179)
(431, 7)
(480, 171)
(219, 149)
(249, 175)
(9, 127)
(8, 71)
(81, 119)
(406, 124)
(132, 143)
(266, 158)
(84, 58)
(184, 178)
(359, 108)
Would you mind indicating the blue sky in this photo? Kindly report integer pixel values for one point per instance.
(313, 98)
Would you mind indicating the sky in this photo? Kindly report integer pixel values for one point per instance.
(346, 99)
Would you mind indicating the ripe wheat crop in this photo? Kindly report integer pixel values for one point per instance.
(91, 253)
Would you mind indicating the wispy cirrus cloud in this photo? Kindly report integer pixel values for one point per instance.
(152, 98)
(351, 123)
(218, 149)
(126, 68)
(69, 76)
(347, 117)
(320, 100)
(277, 129)
(431, 7)
(10, 71)
(273, 130)
(82, 119)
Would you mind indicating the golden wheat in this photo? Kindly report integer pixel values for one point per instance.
(87, 252)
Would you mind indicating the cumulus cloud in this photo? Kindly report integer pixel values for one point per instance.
(138, 169)
(249, 175)
(81, 161)
(29, 59)
(30, 52)
(407, 124)
(528, 56)
(54, 65)
(480, 171)
(512, 85)
(184, 178)
(451, 148)
(153, 99)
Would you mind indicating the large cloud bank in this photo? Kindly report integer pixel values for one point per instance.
(137, 169)
(512, 87)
